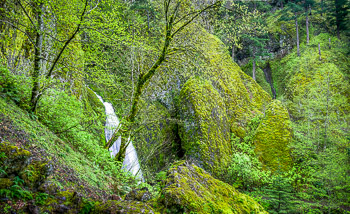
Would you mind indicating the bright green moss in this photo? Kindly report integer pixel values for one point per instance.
(35, 173)
(211, 109)
(191, 189)
(132, 207)
(272, 138)
(13, 158)
(206, 133)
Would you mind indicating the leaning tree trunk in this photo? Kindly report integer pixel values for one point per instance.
(233, 52)
(37, 57)
(254, 65)
(297, 32)
(307, 28)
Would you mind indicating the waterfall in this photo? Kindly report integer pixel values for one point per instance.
(131, 161)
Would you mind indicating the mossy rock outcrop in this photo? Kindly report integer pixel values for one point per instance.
(122, 207)
(219, 100)
(272, 137)
(206, 133)
(35, 173)
(12, 158)
(189, 188)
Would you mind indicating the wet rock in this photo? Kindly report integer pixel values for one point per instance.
(32, 208)
(61, 209)
(139, 195)
(48, 187)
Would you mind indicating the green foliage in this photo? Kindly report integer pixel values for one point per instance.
(14, 87)
(245, 170)
(16, 190)
(40, 198)
(279, 195)
(316, 94)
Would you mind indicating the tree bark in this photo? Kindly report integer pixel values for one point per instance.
(337, 16)
(37, 56)
(254, 70)
(297, 32)
(254, 65)
(319, 51)
(307, 28)
(233, 52)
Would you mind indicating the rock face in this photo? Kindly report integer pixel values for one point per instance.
(189, 188)
(219, 101)
(206, 133)
(273, 136)
(122, 207)
(14, 158)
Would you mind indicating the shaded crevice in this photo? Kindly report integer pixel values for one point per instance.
(180, 152)
(268, 77)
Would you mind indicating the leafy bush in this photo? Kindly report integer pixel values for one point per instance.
(14, 87)
(245, 170)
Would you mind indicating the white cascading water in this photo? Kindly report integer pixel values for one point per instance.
(131, 161)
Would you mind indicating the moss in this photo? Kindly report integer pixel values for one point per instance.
(5, 183)
(39, 136)
(225, 102)
(122, 207)
(260, 76)
(35, 173)
(273, 136)
(191, 189)
(14, 159)
(206, 133)
(152, 140)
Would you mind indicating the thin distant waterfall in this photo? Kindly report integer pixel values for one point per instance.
(131, 161)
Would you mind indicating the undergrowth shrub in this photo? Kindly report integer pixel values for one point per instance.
(14, 87)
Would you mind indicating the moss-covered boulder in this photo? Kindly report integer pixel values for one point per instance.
(214, 102)
(189, 188)
(121, 207)
(206, 133)
(35, 173)
(12, 159)
(272, 137)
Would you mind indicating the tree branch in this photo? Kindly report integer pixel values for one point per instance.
(67, 42)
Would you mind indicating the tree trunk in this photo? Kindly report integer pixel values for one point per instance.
(319, 51)
(337, 16)
(233, 52)
(37, 57)
(254, 65)
(297, 32)
(148, 20)
(307, 28)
